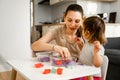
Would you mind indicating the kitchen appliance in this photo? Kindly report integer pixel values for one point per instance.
(112, 17)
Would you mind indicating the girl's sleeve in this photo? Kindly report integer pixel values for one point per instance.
(102, 50)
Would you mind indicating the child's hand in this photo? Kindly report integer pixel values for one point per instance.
(96, 46)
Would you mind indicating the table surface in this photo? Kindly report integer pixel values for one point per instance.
(26, 68)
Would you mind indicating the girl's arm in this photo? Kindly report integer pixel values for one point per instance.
(98, 60)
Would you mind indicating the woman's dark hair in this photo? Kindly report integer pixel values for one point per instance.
(74, 7)
(79, 32)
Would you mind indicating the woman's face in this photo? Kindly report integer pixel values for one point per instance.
(73, 20)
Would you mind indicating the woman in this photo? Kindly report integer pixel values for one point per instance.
(64, 36)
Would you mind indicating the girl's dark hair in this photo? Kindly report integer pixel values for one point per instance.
(74, 7)
(96, 28)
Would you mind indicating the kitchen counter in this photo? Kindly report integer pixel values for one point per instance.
(112, 30)
(53, 24)
(62, 23)
(112, 24)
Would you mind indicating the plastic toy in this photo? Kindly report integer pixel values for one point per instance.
(38, 65)
(46, 71)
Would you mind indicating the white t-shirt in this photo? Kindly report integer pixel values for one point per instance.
(87, 53)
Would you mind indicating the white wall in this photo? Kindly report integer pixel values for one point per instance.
(59, 9)
(102, 7)
(112, 30)
(94, 7)
(42, 12)
(15, 29)
(114, 7)
(51, 13)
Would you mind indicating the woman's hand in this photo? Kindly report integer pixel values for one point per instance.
(96, 46)
(64, 52)
(79, 42)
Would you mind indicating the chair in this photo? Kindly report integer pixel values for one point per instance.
(104, 67)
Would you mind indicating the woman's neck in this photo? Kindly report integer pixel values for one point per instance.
(70, 36)
(72, 33)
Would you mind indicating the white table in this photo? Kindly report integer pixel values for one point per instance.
(26, 68)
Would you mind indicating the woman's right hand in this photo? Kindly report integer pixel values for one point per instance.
(79, 42)
(64, 52)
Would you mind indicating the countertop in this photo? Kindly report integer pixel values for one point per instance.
(53, 24)
(62, 23)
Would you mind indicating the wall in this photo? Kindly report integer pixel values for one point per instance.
(112, 30)
(48, 13)
(42, 12)
(59, 9)
(51, 13)
(15, 29)
(114, 7)
(101, 7)
(94, 7)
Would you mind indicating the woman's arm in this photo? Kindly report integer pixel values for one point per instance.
(43, 43)
(98, 59)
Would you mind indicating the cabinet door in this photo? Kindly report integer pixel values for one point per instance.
(102, 0)
(108, 0)
(54, 2)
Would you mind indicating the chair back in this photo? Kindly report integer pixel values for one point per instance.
(104, 67)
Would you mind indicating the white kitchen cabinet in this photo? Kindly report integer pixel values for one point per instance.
(53, 2)
(108, 0)
(102, 0)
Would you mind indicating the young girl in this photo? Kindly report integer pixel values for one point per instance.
(94, 35)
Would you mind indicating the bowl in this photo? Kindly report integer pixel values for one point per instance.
(43, 56)
(58, 61)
